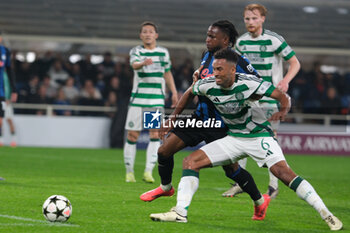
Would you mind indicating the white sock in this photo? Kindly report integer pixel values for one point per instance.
(151, 154)
(259, 201)
(187, 187)
(166, 187)
(305, 191)
(243, 163)
(273, 180)
(129, 155)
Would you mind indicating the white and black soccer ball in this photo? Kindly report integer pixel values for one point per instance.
(57, 208)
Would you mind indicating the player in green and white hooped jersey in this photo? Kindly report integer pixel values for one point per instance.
(248, 135)
(151, 65)
(266, 51)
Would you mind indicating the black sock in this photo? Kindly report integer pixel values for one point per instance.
(245, 181)
(165, 169)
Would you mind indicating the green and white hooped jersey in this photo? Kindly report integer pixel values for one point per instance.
(233, 104)
(149, 83)
(265, 53)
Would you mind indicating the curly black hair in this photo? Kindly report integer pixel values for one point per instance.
(228, 28)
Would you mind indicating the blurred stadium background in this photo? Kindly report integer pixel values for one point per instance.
(83, 40)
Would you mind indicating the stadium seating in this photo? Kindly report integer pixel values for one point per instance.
(181, 21)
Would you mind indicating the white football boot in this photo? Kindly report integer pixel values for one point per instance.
(233, 191)
(171, 216)
(334, 223)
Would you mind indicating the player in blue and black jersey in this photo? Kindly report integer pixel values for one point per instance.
(206, 109)
(5, 68)
(221, 34)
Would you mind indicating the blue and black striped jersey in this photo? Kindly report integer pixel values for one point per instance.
(206, 108)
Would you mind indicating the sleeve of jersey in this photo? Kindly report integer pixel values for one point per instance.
(134, 56)
(167, 61)
(244, 66)
(265, 88)
(285, 51)
(198, 88)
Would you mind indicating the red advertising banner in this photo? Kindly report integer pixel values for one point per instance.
(321, 144)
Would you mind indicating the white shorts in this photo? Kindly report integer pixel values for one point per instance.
(227, 150)
(8, 111)
(134, 119)
(269, 109)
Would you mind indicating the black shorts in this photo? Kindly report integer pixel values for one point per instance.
(193, 136)
(2, 110)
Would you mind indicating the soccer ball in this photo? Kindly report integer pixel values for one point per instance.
(57, 208)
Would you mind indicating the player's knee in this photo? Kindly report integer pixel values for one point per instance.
(163, 151)
(187, 163)
(190, 163)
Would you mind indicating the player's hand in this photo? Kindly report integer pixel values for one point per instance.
(283, 86)
(278, 116)
(13, 97)
(147, 61)
(174, 99)
(195, 76)
(164, 130)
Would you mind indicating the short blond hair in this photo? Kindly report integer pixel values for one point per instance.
(255, 6)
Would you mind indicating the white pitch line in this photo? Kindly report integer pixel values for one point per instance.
(37, 221)
(22, 219)
(19, 224)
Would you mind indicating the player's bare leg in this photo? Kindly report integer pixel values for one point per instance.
(305, 191)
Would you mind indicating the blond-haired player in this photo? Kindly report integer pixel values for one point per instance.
(266, 51)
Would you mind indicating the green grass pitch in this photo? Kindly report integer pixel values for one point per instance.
(93, 180)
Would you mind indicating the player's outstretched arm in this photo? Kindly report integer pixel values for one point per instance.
(284, 100)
